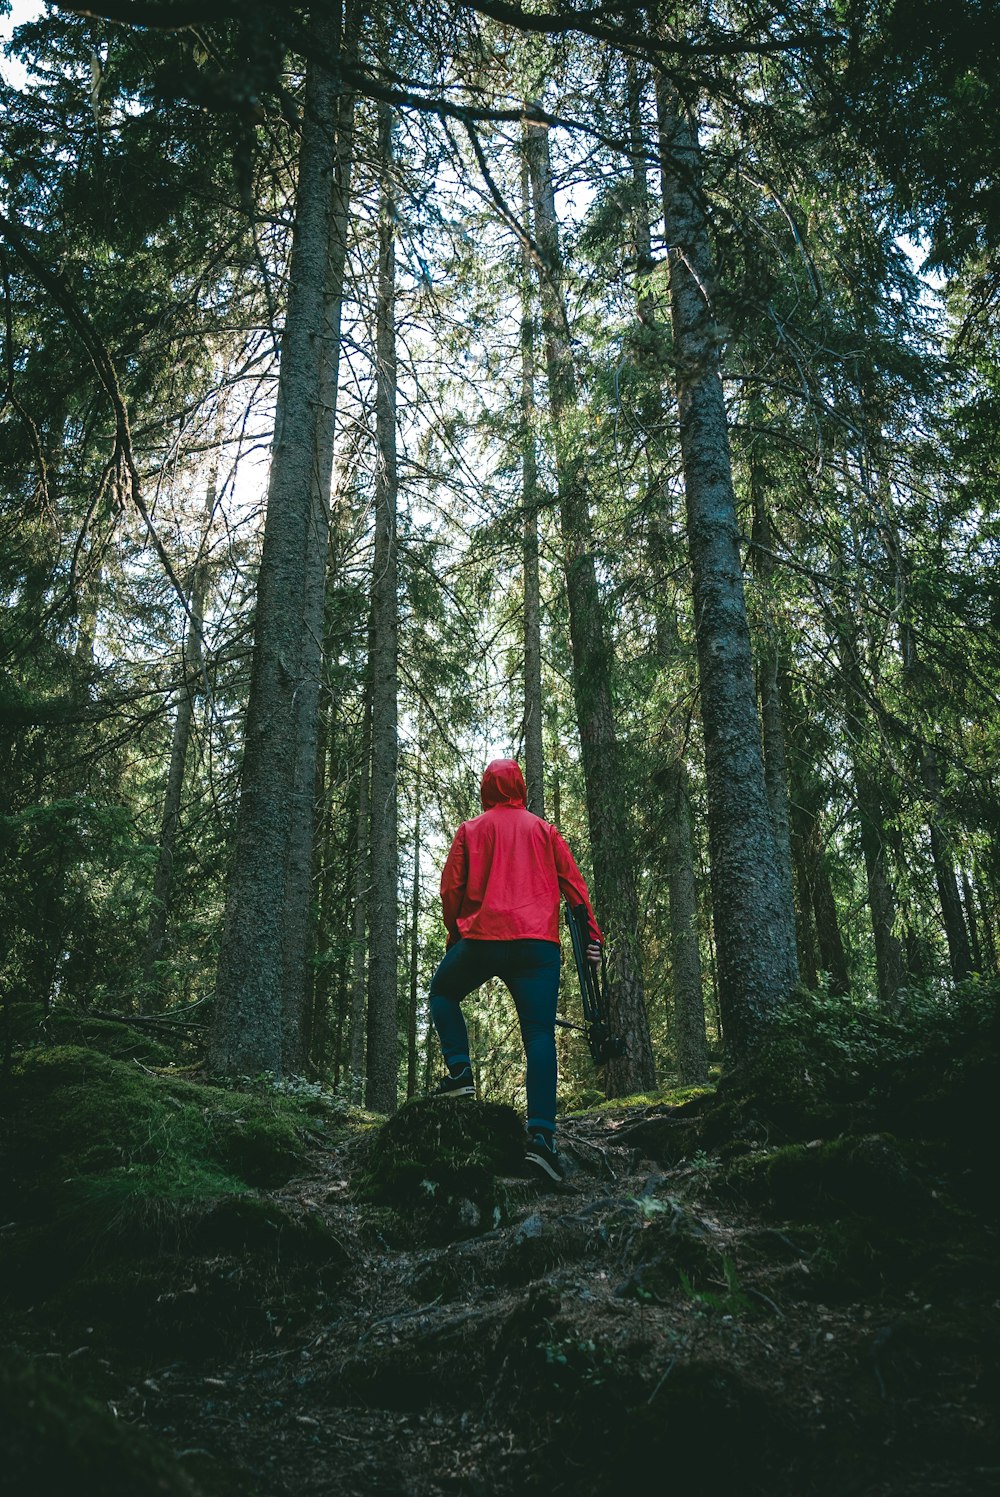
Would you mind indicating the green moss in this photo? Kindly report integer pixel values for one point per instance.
(118, 1039)
(73, 1113)
(874, 1175)
(261, 1147)
(136, 1215)
(439, 1161)
(669, 1096)
(240, 1225)
(56, 1440)
(431, 1135)
(102, 1159)
(671, 1252)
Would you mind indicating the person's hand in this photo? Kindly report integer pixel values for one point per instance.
(594, 953)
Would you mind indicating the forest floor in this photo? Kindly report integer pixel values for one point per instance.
(707, 1300)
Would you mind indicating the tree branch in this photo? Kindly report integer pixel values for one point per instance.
(122, 464)
(594, 21)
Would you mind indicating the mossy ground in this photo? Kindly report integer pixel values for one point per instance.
(81, 1126)
(789, 1291)
(134, 1204)
(665, 1096)
(440, 1163)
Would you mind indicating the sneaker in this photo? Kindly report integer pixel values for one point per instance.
(542, 1155)
(456, 1086)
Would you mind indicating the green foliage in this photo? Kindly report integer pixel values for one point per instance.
(730, 1301)
(73, 880)
(923, 89)
(822, 1047)
(576, 1364)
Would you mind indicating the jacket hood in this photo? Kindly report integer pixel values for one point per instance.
(503, 785)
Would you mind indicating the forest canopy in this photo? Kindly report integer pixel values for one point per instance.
(389, 388)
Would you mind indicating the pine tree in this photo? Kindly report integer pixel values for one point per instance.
(247, 1035)
(754, 921)
(611, 844)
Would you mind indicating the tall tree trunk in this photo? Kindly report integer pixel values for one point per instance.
(816, 897)
(952, 914)
(610, 836)
(383, 1045)
(805, 915)
(771, 671)
(360, 906)
(191, 665)
(989, 936)
(534, 769)
(969, 902)
(890, 965)
(691, 1050)
(955, 929)
(832, 955)
(685, 953)
(298, 899)
(247, 1034)
(411, 1016)
(754, 920)
(327, 1000)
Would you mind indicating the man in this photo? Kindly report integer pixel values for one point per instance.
(500, 892)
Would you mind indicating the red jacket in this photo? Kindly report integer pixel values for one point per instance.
(507, 868)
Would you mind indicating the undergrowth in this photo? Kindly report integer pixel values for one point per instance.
(842, 1047)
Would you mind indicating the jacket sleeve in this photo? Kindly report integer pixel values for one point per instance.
(571, 882)
(453, 877)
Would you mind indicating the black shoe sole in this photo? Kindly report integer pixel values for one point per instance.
(550, 1169)
(458, 1091)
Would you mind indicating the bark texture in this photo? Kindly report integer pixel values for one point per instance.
(610, 834)
(821, 945)
(359, 914)
(770, 675)
(383, 1022)
(685, 955)
(411, 1014)
(302, 809)
(247, 1034)
(957, 935)
(534, 772)
(952, 914)
(690, 1044)
(969, 903)
(754, 920)
(890, 964)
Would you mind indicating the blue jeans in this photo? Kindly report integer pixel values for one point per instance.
(530, 969)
